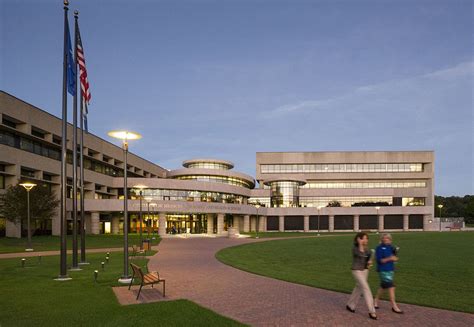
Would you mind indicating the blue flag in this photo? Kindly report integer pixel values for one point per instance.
(71, 65)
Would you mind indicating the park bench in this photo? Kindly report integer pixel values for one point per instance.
(146, 279)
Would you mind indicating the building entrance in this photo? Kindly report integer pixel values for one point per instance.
(190, 223)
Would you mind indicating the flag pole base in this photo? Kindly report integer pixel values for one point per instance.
(125, 280)
(75, 269)
(63, 278)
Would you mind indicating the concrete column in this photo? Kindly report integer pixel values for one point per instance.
(115, 225)
(381, 227)
(426, 223)
(405, 222)
(220, 223)
(281, 224)
(306, 223)
(331, 223)
(56, 222)
(95, 223)
(253, 223)
(87, 222)
(356, 223)
(246, 223)
(162, 224)
(237, 223)
(210, 223)
(261, 223)
(13, 229)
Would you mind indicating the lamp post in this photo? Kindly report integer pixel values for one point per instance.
(141, 188)
(440, 206)
(319, 212)
(378, 219)
(256, 227)
(125, 136)
(152, 205)
(28, 187)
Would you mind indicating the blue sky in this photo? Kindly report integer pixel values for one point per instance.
(226, 79)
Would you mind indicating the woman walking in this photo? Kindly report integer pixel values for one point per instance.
(360, 270)
(386, 256)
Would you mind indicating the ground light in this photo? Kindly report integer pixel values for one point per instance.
(28, 187)
(125, 136)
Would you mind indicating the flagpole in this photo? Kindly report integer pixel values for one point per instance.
(63, 216)
(74, 158)
(81, 170)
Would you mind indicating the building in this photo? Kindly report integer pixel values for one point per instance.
(297, 191)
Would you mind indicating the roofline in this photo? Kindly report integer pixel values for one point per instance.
(100, 138)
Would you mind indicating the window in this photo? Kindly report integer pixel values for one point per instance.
(37, 133)
(27, 172)
(338, 168)
(8, 122)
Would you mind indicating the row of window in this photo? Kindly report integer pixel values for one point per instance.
(341, 168)
(187, 195)
(376, 184)
(22, 143)
(216, 179)
(209, 165)
(360, 201)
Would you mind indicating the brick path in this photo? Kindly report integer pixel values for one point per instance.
(192, 272)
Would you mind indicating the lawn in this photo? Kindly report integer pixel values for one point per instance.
(287, 234)
(435, 269)
(30, 297)
(46, 243)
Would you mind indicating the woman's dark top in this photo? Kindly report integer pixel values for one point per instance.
(360, 259)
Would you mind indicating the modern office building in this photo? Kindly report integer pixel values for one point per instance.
(297, 191)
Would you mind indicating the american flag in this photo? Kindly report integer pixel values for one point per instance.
(85, 92)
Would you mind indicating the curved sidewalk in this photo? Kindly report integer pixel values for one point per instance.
(192, 272)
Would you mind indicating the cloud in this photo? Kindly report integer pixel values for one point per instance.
(387, 90)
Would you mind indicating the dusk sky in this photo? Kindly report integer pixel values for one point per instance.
(225, 79)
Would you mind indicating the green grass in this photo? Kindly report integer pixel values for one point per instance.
(30, 297)
(435, 269)
(287, 234)
(48, 243)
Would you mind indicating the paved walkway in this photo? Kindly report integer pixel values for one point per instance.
(48, 253)
(192, 272)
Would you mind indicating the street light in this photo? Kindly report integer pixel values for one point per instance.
(125, 136)
(319, 212)
(440, 206)
(28, 187)
(256, 227)
(152, 205)
(141, 188)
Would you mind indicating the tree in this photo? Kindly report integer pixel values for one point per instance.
(43, 204)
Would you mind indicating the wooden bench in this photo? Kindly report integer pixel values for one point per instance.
(146, 279)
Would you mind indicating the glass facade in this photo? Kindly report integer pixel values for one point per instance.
(187, 195)
(284, 194)
(371, 184)
(264, 201)
(217, 179)
(342, 168)
(208, 165)
(359, 201)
